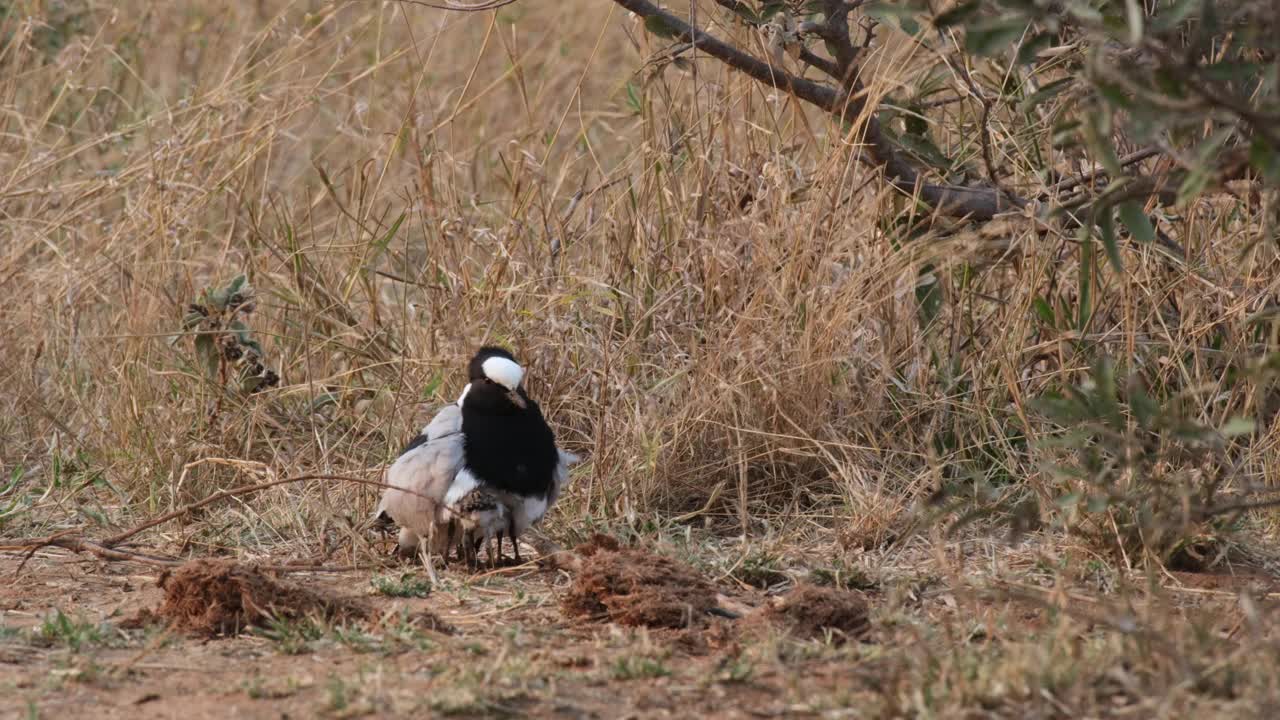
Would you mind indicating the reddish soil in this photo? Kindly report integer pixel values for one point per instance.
(214, 597)
(634, 587)
(810, 611)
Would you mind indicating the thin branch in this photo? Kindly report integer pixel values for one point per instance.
(807, 56)
(107, 550)
(979, 203)
(1073, 183)
(242, 490)
(461, 7)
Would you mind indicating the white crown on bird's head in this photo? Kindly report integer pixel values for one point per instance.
(504, 371)
(496, 365)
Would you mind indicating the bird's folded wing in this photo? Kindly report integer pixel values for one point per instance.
(425, 470)
(446, 422)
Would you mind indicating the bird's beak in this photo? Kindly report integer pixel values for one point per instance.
(516, 399)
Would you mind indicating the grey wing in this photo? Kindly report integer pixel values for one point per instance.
(446, 422)
(425, 470)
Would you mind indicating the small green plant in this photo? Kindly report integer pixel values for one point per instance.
(224, 342)
(633, 667)
(293, 636)
(355, 639)
(760, 569)
(257, 689)
(58, 628)
(406, 632)
(404, 586)
(843, 577)
(735, 669)
(339, 696)
(1144, 476)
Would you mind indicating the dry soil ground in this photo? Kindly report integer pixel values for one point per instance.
(79, 638)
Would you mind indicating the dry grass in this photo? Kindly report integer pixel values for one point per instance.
(718, 305)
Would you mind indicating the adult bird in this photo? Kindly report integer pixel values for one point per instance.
(484, 467)
(509, 451)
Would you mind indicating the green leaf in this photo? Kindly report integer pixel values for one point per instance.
(1044, 311)
(1104, 379)
(1107, 231)
(1085, 293)
(901, 16)
(1203, 169)
(925, 150)
(1068, 500)
(429, 390)
(744, 11)
(1031, 48)
(958, 14)
(1168, 17)
(1136, 220)
(1097, 135)
(1237, 426)
(1044, 94)
(1264, 158)
(217, 299)
(928, 296)
(192, 320)
(207, 351)
(995, 36)
(236, 285)
(633, 99)
(771, 8)
(1115, 95)
(1144, 408)
(658, 25)
(380, 246)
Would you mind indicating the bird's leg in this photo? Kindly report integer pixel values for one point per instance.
(450, 530)
(515, 544)
(469, 548)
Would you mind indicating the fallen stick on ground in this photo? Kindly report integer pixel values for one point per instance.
(106, 548)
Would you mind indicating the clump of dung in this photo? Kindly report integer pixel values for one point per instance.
(630, 586)
(210, 597)
(811, 611)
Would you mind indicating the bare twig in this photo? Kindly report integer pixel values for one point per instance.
(1073, 183)
(846, 105)
(107, 550)
(461, 7)
(237, 491)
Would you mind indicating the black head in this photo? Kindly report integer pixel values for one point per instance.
(495, 383)
(475, 368)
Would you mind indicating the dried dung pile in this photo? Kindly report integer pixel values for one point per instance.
(209, 597)
(632, 587)
(810, 611)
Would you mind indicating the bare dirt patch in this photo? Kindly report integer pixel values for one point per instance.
(811, 611)
(211, 597)
(630, 586)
